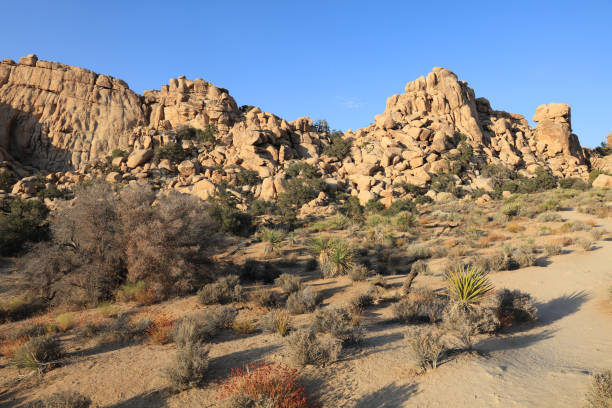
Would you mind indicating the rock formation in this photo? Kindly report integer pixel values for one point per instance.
(55, 117)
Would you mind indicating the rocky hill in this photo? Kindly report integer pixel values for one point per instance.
(65, 121)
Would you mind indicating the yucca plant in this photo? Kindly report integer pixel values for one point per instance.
(321, 247)
(273, 239)
(468, 284)
(340, 259)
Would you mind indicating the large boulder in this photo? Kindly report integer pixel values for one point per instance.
(139, 157)
(554, 131)
(603, 180)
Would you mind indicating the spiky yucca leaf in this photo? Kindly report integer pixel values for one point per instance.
(468, 284)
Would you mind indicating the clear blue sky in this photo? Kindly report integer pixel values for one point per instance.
(338, 60)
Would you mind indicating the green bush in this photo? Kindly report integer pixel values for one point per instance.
(405, 205)
(246, 108)
(206, 135)
(222, 209)
(444, 183)
(25, 220)
(339, 147)
(246, 177)
(119, 153)
(321, 126)
(352, 209)
(172, 151)
(574, 183)
(6, 181)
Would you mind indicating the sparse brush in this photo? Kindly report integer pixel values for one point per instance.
(106, 309)
(498, 261)
(468, 284)
(277, 321)
(584, 243)
(39, 353)
(339, 322)
(66, 399)
(422, 305)
(265, 297)
(189, 366)
(524, 256)
(550, 217)
(600, 393)
(362, 301)
(405, 221)
(273, 239)
(417, 251)
(226, 289)
(303, 301)
(379, 280)
(511, 210)
(288, 283)
(514, 228)
(305, 348)
(358, 272)
(427, 348)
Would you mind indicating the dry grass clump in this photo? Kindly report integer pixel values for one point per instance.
(39, 353)
(597, 234)
(363, 300)
(420, 306)
(303, 301)
(584, 243)
(550, 217)
(277, 321)
(358, 273)
(120, 329)
(226, 289)
(514, 228)
(288, 283)
(552, 249)
(265, 297)
(340, 323)
(189, 366)
(495, 262)
(417, 251)
(65, 321)
(263, 386)
(524, 256)
(600, 394)
(66, 399)
(305, 348)
(243, 326)
(203, 326)
(427, 348)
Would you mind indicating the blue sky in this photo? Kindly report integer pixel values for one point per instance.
(338, 60)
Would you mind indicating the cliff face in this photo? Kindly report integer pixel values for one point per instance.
(56, 117)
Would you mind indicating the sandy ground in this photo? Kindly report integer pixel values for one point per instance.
(546, 364)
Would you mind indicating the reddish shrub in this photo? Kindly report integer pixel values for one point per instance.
(275, 385)
(160, 332)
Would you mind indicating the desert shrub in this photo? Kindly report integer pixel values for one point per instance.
(222, 209)
(363, 300)
(467, 284)
(246, 108)
(339, 147)
(550, 217)
(172, 151)
(594, 174)
(373, 206)
(206, 135)
(66, 399)
(203, 326)
(305, 348)
(339, 322)
(225, 290)
(498, 261)
(515, 306)
(243, 326)
(257, 271)
(6, 180)
(189, 366)
(262, 386)
(119, 153)
(138, 291)
(65, 321)
(427, 348)
(512, 209)
(549, 205)
(358, 272)
(574, 183)
(552, 249)
(246, 177)
(265, 297)
(303, 185)
(277, 321)
(405, 221)
(600, 393)
(39, 353)
(420, 306)
(303, 301)
(288, 283)
(339, 261)
(399, 206)
(352, 209)
(220, 317)
(25, 221)
(29, 331)
(260, 207)
(524, 257)
(417, 251)
(444, 183)
(21, 307)
(584, 243)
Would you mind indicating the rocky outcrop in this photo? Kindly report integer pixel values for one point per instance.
(54, 116)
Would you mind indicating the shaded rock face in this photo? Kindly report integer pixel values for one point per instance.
(55, 116)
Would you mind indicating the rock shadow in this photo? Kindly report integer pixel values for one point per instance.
(389, 396)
